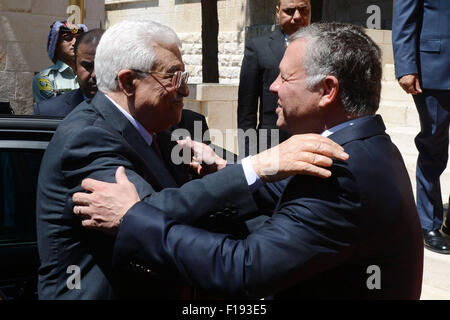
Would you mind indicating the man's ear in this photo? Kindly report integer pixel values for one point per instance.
(126, 79)
(330, 90)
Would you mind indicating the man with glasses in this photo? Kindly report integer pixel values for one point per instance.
(259, 70)
(141, 85)
(60, 77)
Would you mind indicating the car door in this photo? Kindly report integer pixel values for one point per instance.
(23, 140)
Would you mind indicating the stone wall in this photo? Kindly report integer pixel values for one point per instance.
(24, 26)
(184, 16)
(231, 51)
(366, 13)
(238, 20)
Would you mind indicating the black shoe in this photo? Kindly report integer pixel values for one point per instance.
(434, 241)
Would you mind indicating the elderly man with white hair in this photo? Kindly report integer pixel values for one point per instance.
(142, 83)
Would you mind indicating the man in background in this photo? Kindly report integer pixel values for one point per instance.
(421, 40)
(259, 69)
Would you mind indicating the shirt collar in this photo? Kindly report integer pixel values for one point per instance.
(142, 131)
(286, 38)
(342, 125)
(62, 66)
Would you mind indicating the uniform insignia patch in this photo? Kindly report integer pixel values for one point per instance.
(44, 84)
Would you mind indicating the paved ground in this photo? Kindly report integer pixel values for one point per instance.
(436, 276)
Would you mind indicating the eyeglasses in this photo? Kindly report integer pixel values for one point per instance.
(178, 78)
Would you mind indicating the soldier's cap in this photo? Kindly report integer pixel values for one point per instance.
(57, 28)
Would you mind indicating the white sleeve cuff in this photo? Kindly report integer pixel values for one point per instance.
(253, 181)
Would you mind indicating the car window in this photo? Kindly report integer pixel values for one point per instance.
(18, 180)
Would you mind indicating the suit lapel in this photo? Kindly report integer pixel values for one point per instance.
(158, 174)
(277, 44)
(179, 171)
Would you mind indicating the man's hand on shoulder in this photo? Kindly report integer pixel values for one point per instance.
(300, 154)
(104, 208)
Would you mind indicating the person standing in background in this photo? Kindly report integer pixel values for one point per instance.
(421, 40)
(85, 48)
(259, 70)
(59, 77)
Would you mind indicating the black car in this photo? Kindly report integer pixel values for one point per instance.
(23, 140)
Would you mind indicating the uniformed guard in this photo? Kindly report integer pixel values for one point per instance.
(58, 78)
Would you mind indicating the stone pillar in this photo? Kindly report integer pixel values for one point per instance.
(218, 103)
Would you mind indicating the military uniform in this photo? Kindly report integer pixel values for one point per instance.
(54, 81)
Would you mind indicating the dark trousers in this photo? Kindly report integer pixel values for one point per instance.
(432, 143)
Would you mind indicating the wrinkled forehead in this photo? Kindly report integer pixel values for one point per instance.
(86, 48)
(168, 57)
(293, 57)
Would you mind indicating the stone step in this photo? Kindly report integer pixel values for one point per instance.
(436, 279)
(403, 138)
(397, 113)
(391, 90)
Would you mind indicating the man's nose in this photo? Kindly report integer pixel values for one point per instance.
(93, 76)
(275, 85)
(183, 89)
(297, 15)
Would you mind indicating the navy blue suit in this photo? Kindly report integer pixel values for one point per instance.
(322, 240)
(421, 40)
(59, 106)
(260, 68)
(92, 141)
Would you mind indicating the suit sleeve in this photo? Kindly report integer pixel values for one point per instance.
(405, 36)
(250, 85)
(99, 159)
(310, 233)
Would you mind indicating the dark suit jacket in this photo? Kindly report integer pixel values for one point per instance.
(92, 142)
(260, 68)
(321, 242)
(421, 37)
(59, 106)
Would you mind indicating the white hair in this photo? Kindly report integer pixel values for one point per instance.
(129, 45)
